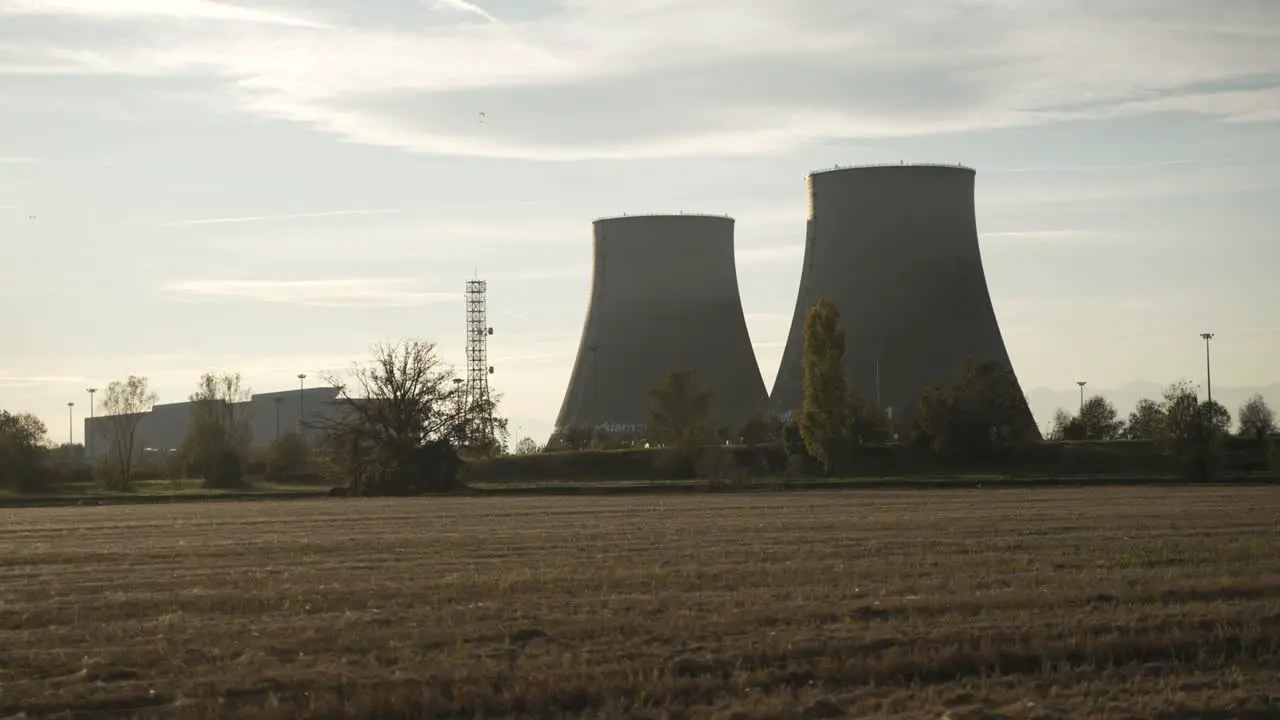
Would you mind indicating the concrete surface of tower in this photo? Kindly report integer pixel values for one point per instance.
(895, 248)
(664, 297)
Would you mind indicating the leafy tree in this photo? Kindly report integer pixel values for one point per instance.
(1217, 415)
(1193, 430)
(124, 404)
(680, 412)
(757, 430)
(867, 423)
(1146, 422)
(824, 413)
(1257, 419)
(1099, 419)
(22, 440)
(398, 421)
(288, 457)
(1061, 425)
(527, 446)
(217, 443)
(980, 413)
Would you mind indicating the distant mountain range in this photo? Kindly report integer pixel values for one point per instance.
(1045, 401)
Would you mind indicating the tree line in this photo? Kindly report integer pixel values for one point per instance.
(980, 413)
(401, 424)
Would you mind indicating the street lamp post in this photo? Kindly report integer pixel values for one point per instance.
(1082, 383)
(71, 426)
(88, 436)
(302, 383)
(1208, 375)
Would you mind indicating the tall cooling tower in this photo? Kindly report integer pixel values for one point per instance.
(895, 248)
(664, 298)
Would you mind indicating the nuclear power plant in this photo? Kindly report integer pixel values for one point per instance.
(895, 248)
(664, 298)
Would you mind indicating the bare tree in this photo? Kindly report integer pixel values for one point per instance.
(124, 404)
(218, 441)
(527, 446)
(400, 417)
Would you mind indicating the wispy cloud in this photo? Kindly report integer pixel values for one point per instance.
(621, 79)
(355, 292)
(273, 218)
(464, 7)
(1093, 168)
(766, 255)
(172, 9)
(18, 160)
(1046, 235)
(18, 380)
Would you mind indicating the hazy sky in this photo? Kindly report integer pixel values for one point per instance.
(269, 187)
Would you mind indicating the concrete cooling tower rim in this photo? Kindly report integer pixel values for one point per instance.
(614, 218)
(887, 166)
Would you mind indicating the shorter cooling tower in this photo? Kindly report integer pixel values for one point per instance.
(895, 248)
(664, 298)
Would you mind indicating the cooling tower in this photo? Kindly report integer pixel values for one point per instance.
(895, 248)
(664, 298)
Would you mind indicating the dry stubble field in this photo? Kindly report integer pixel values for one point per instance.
(1146, 602)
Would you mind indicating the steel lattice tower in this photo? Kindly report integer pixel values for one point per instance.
(480, 411)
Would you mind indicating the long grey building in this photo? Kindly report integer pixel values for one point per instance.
(270, 415)
(664, 298)
(895, 248)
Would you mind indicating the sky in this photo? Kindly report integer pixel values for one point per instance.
(270, 187)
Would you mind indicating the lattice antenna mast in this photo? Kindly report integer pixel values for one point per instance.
(479, 420)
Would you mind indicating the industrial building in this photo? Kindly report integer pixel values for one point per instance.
(664, 298)
(895, 249)
(270, 415)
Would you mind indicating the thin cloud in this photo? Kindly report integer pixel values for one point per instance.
(273, 218)
(1093, 168)
(30, 381)
(1045, 235)
(766, 255)
(18, 160)
(172, 9)
(356, 292)
(746, 76)
(464, 7)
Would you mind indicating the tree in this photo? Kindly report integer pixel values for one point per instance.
(124, 404)
(867, 423)
(1099, 419)
(1066, 427)
(217, 443)
(1217, 416)
(1146, 422)
(1193, 430)
(527, 446)
(825, 409)
(1257, 419)
(980, 413)
(22, 440)
(288, 458)
(757, 430)
(680, 412)
(398, 422)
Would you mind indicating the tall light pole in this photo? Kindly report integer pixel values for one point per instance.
(71, 426)
(1082, 383)
(88, 436)
(302, 384)
(1208, 374)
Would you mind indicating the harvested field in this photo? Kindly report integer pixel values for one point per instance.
(1105, 602)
